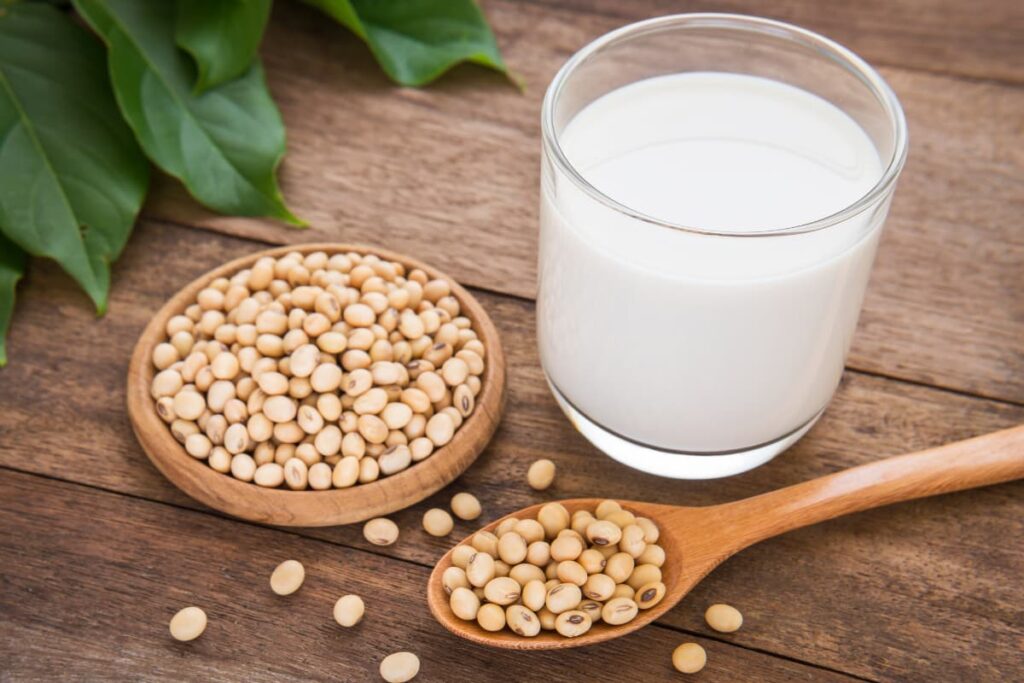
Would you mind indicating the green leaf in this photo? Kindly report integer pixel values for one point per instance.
(73, 178)
(415, 41)
(12, 267)
(221, 35)
(225, 144)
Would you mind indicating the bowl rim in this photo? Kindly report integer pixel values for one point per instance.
(333, 506)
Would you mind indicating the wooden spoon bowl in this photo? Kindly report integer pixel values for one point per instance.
(696, 540)
(437, 597)
(313, 508)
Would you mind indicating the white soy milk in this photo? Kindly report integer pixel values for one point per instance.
(690, 342)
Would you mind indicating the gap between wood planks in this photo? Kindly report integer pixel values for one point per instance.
(306, 538)
(518, 297)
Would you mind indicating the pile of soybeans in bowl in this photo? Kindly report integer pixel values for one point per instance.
(317, 371)
(558, 572)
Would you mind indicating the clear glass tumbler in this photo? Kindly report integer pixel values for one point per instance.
(695, 350)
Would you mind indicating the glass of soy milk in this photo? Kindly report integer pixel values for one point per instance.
(713, 188)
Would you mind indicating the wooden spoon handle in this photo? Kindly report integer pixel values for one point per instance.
(981, 461)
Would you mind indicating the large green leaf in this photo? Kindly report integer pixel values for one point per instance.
(12, 267)
(224, 144)
(72, 178)
(221, 35)
(415, 41)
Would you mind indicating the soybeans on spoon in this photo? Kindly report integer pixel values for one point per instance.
(698, 539)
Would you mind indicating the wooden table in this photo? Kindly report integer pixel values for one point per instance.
(97, 550)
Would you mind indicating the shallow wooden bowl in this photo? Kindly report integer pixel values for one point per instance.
(313, 508)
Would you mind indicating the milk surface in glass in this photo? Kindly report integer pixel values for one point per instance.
(693, 342)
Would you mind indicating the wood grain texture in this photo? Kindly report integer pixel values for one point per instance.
(976, 39)
(80, 603)
(451, 172)
(698, 539)
(984, 460)
(922, 590)
(312, 508)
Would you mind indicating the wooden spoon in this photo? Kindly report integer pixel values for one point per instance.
(696, 540)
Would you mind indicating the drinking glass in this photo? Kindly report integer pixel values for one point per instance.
(690, 351)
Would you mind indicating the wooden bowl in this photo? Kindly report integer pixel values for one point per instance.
(313, 508)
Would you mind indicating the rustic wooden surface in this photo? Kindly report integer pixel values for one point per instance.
(97, 550)
(928, 589)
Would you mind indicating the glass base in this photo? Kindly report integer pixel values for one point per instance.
(677, 464)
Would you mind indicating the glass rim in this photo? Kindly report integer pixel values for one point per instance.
(845, 57)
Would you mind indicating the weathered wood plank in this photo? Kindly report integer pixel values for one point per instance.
(916, 591)
(450, 173)
(82, 603)
(977, 39)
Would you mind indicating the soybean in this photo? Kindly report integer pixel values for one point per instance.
(554, 518)
(526, 572)
(491, 617)
(566, 548)
(538, 553)
(689, 658)
(348, 610)
(643, 574)
(650, 594)
(599, 587)
(480, 569)
(530, 530)
(452, 578)
(461, 555)
(541, 474)
(652, 554)
(502, 590)
(506, 525)
(606, 507)
(603, 533)
(486, 542)
(399, 667)
(618, 611)
(534, 594)
(380, 531)
(632, 540)
(466, 506)
(437, 522)
(522, 620)
(563, 597)
(620, 566)
(512, 548)
(623, 591)
(573, 624)
(464, 603)
(287, 577)
(571, 572)
(270, 474)
(188, 624)
(592, 560)
(651, 532)
(723, 618)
